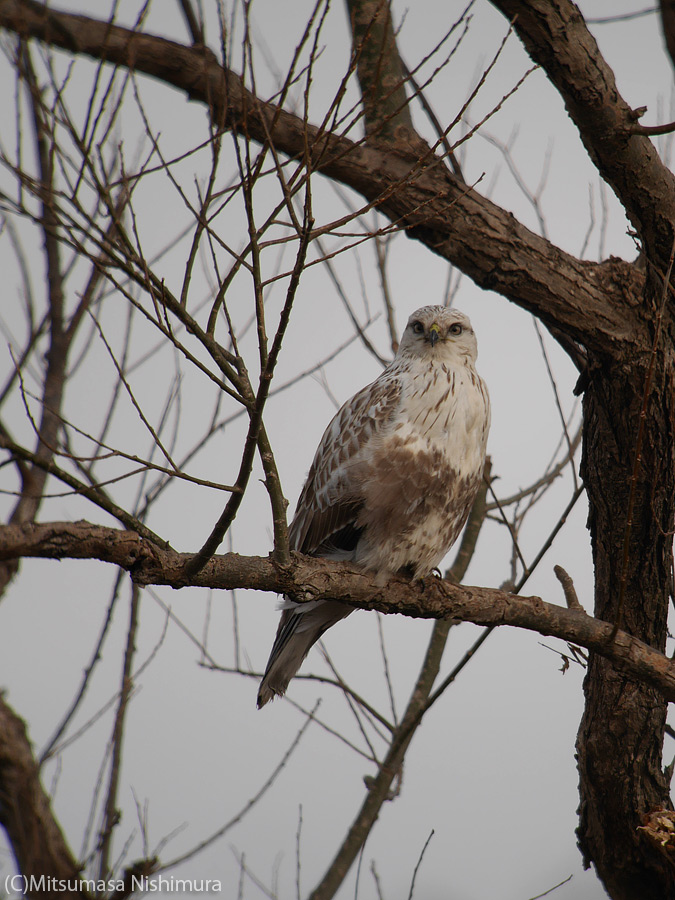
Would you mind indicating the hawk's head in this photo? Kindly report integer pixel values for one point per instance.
(440, 332)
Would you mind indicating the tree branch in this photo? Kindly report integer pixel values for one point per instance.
(667, 9)
(25, 812)
(316, 579)
(111, 816)
(556, 37)
(415, 190)
(387, 115)
(379, 787)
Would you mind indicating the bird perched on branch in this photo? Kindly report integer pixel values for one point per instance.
(394, 476)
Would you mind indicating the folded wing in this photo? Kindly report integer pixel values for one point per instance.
(325, 522)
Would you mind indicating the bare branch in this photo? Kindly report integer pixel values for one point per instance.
(386, 111)
(568, 588)
(434, 206)
(39, 847)
(605, 121)
(319, 578)
(111, 814)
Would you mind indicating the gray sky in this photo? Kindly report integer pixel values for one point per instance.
(492, 772)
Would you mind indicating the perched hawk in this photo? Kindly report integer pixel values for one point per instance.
(393, 478)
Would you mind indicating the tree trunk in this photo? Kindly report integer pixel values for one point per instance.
(621, 734)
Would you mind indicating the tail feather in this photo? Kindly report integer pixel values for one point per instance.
(300, 628)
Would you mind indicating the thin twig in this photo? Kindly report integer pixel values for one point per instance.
(554, 888)
(419, 863)
(96, 657)
(298, 835)
(111, 814)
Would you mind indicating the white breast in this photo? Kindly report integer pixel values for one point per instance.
(447, 407)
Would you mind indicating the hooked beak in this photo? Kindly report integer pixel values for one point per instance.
(434, 334)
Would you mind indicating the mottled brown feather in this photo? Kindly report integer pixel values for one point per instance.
(331, 498)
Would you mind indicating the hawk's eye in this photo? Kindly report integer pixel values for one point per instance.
(418, 328)
(455, 328)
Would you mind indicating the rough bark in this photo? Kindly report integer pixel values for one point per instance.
(631, 501)
(387, 114)
(621, 735)
(41, 852)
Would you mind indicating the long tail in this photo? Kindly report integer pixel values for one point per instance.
(301, 626)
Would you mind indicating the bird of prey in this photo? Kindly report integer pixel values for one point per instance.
(394, 476)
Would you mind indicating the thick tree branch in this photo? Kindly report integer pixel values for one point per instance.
(555, 35)
(37, 842)
(318, 579)
(387, 115)
(454, 221)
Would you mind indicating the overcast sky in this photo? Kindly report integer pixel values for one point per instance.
(492, 771)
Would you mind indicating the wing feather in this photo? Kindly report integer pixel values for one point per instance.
(325, 518)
